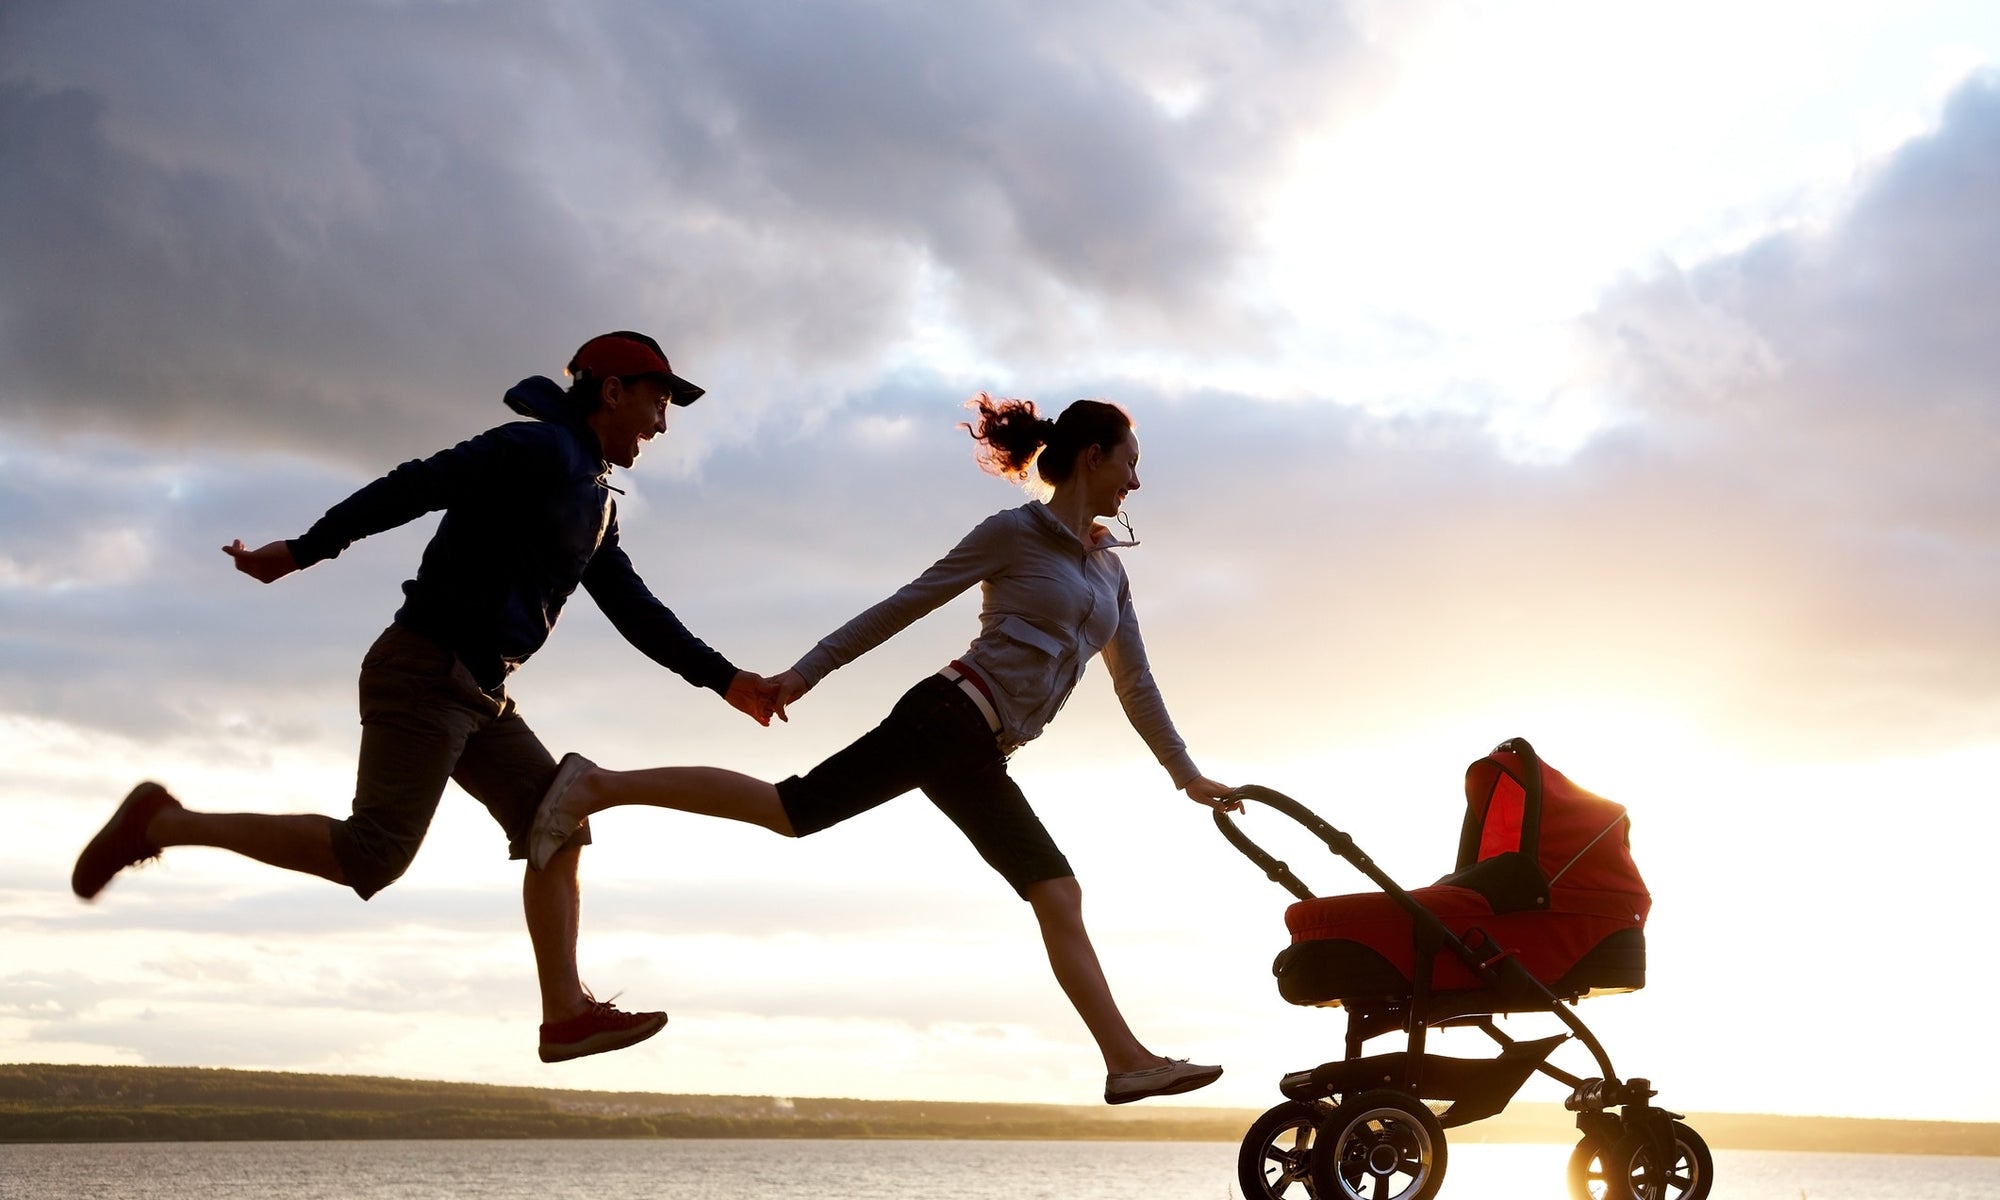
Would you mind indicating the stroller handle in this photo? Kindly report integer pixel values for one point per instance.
(1278, 872)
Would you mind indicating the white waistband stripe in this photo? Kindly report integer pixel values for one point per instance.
(971, 689)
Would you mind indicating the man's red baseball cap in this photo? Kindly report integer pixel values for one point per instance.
(613, 354)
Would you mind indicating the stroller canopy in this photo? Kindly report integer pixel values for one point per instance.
(1577, 838)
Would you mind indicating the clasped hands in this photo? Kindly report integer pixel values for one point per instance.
(761, 697)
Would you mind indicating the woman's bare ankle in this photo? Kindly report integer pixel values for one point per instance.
(589, 793)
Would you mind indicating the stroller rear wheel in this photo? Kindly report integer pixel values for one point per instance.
(1275, 1162)
(1624, 1170)
(1379, 1145)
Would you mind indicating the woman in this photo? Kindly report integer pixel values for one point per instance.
(1054, 596)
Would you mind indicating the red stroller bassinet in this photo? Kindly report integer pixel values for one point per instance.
(1544, 907)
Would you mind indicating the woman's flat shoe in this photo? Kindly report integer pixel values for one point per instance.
(1179, 1075)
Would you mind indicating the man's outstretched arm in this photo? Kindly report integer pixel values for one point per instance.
(504, 455)
(654, 629)
(265, 564)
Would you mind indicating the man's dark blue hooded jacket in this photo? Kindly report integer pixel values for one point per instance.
(528, 515)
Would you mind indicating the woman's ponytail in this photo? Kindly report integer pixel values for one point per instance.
(1013, 436)
(1010, 434)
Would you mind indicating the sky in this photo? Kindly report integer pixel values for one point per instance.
(1617, 376)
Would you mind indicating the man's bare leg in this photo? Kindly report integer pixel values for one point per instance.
(300, 842)
(574, 1023)
(552, 904)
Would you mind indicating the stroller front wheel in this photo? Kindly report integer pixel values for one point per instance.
(1625, 1171)
(1275, 1162)
(1379, 1145)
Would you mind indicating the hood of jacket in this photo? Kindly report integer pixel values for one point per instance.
(543, 399)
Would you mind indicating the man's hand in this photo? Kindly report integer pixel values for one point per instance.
(1203, 790)
(785, 689)
(265, 564)
(750, 695)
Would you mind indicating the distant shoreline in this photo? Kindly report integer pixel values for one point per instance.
(45, 1102)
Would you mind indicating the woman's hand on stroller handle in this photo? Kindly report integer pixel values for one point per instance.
(1203, 790)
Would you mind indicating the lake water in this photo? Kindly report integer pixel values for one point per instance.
(856, 1170)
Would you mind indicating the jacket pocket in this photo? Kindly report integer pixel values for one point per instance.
(1021, 661)
(1020, 630)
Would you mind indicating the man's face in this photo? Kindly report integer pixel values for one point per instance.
(634, 411)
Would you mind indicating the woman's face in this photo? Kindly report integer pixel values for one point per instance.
(1111, 474)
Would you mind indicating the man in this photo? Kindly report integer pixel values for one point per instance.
(528, 516)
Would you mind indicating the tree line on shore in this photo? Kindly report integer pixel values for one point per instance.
(42, 1102)
(53, 1102)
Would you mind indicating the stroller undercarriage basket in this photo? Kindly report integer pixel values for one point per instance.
(1543, 908)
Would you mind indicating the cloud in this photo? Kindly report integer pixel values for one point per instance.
(118, 611)
(288, 264)
(319, 229)
(1826, 398)
(1026, 147)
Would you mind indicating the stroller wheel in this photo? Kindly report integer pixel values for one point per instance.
(1379, 1145)
(1275, 1162)
(1624, 1170)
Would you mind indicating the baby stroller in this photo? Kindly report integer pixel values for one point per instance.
(1544, 907)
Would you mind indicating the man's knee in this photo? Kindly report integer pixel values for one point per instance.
(562, 867)
(369, 859)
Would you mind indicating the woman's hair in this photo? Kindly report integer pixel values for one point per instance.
(1012, 435)
(586, 391)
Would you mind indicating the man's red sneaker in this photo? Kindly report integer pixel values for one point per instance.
(122, 842)
(597, 1029)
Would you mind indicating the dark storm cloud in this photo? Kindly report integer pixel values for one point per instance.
(217, 229)
(304, 226)
(1022, 145)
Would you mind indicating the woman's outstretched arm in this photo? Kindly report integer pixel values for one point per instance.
(978, 554)
(1146, 709)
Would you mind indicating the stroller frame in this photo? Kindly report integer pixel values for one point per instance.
(1398, 1137)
